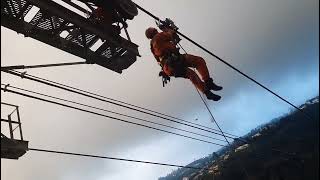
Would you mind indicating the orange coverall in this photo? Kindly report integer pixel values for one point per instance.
(161, 44)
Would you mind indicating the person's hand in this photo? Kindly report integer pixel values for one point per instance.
(164, 75)
(165, 78)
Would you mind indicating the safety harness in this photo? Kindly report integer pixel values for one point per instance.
(173, 59)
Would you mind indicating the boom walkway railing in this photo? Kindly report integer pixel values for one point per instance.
(60, 27)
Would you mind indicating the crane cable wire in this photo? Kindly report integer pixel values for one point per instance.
(113, 112)
(97, 98)
(112, 158)
(112, 99)
(110, 117)
(273, 149)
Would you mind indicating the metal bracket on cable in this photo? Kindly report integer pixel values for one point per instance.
(23, 74)
(5, 87)
(167, 23)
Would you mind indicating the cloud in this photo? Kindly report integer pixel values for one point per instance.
(276, 42)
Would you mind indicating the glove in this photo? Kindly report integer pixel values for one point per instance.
(165, 78)
(164, 75)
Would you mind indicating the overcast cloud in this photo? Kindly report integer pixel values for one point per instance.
(274, 41)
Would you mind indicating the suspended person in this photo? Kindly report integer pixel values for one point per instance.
(164, 48)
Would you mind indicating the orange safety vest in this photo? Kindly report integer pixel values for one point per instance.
(161, 45)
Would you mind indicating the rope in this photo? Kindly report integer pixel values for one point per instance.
(214, 120)
(205, 103)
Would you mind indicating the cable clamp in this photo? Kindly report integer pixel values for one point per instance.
(23, 74)
(5, 87)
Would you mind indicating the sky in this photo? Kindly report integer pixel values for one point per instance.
(275, 42)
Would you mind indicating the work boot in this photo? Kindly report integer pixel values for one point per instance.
(211, 85)
(212, 96)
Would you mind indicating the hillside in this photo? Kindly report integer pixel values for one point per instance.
(285, 148)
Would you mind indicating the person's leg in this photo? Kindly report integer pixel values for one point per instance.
(196, 81)
(200, 65)
(194, 78)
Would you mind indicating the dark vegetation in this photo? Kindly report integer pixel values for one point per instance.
(286, 148)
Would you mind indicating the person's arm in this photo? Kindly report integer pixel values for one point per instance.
(156, 57)
(171, 34)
